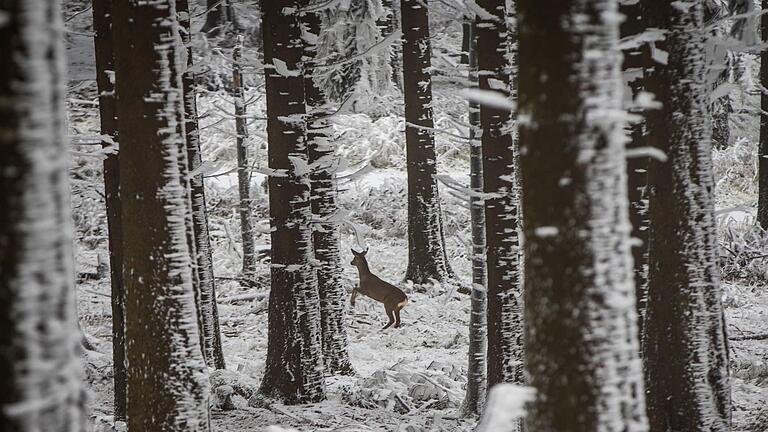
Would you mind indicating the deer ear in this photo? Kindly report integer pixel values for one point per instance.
(364, 252)
(353, 252)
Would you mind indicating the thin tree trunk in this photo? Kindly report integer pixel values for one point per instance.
(477, 362)
(582, 352)
(41, 387)
(427, 258)
(637, 167)
(505, 331)
(388, 26)
(219, 15)
(326, 235)
(243, 168)
(105, 80)
(294, 365)
(685, 345)
(167, 382)
(762, 161)
(207, 308)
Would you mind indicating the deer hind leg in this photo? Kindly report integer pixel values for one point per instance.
(391, 316)
(397, 316)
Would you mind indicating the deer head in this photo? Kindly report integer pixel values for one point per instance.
(358, 258)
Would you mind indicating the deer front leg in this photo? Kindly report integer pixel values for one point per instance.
(354, 295)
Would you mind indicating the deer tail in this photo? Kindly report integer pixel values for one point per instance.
(402, 303)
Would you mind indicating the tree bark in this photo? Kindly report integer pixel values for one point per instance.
(294, 366)
(167, 379)
(633, 68)
(326, 234)
(105, 74)
(41, 388)
(685, 345)
(243, 168)
(762, 160)
(427, 258)
(582, 352)
(478, 332)
(219, 15)
(505, 332)
(207, 309)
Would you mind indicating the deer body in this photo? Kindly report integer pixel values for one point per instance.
(393, 298)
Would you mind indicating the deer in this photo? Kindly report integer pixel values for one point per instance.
(393, 298)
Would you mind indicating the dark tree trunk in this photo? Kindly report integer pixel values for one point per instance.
(477, 360)
(685, 345)
(581, 346)
(762, 162)
(167, 380)
(41, 386)
(218, 17)
(637, 167)
(505, 332)
(105, 80)
(294, 366)
(243, 168)
(207, 309)
(326, 235)
(426, 243)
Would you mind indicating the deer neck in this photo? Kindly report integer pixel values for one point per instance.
(362, 270)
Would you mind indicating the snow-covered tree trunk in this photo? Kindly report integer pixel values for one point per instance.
(505, 332)
(762, 161)
(41, 380)
(477, 363)
(326, 234)
(294, 365)
(427, 258)
(105, 80)
(582, 352)
(389, 24)
(243, 168)
(207, 309)
(637, 167)
(167, 377)
(685, 346)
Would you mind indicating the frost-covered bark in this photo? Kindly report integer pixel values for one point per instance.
(426, 243)
(633, 67)
(505, 332)
(41, 382)
(105, 70)
(685, 345)
(167, 377)
(581, 337)
(294, 365)
(207, 309)
(325, 234)
(243, 168)
(350, 28)
(762, 200)
(477, 363)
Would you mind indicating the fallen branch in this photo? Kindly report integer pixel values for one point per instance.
(759, 336)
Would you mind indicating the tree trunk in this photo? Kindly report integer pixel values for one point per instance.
(207, 308)
(219, 15)
(581, 344)
(426, 243)
(41, 388)
(476, 368)
(102, 26)
(685, 345)
(167, 379)
(294, 365)
(388, 26)
(637, 167)
(762, 174)
(326, 235)
(243, 168)
(505, 332)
